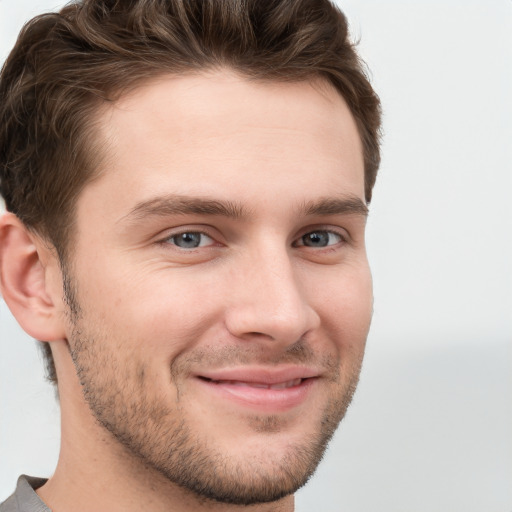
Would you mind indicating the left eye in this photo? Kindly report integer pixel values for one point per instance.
(190, 240)
(320, 239)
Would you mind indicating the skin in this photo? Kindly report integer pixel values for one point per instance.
(278, 286)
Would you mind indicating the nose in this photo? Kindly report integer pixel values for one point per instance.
(269, 303)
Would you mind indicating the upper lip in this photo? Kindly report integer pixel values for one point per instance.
(260, 375)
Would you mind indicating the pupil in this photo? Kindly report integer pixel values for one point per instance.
(188, 240)
(317, 239)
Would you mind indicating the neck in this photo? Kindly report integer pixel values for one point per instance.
(82, 489)
(96, 472)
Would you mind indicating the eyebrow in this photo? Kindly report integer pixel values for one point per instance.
(168, 205)
(345, 205)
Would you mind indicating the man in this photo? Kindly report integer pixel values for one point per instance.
(187, 186)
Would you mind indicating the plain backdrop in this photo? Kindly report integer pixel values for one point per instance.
(430, 429)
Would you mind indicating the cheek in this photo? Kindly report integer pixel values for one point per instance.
(346, 308)
(161, 312)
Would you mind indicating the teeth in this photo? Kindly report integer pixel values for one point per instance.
(255, 385)
(288, 384)
(279, 385)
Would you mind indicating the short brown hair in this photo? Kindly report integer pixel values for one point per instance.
(65, 65)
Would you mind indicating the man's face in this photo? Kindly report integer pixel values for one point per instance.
(221, 278)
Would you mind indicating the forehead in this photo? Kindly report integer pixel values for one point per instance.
(216, 132)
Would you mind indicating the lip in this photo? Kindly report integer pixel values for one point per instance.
(268, 390)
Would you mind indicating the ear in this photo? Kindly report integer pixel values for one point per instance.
(29, 281)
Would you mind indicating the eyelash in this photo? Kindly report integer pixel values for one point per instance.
(329, 232)
(174, 236)
(342, 239)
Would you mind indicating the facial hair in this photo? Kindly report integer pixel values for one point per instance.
(157, 434)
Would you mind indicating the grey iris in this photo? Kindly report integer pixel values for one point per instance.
(316, 239)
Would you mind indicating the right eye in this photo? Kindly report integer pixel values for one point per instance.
(319, 239)
(190, 240)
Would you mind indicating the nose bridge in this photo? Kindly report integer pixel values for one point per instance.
(269, 300)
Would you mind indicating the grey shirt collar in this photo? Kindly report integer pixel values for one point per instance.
(25, 498)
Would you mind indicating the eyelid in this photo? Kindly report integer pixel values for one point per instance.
(204, 239)
(341, 232)
(166, 235)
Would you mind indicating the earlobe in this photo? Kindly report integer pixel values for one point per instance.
(24, 285)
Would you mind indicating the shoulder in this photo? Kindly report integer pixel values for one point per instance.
(24, 498)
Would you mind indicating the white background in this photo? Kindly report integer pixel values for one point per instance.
(430, 429)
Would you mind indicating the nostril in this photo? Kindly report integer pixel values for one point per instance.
(258, 320)
(255, 334)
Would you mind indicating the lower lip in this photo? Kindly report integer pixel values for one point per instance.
(263, 399)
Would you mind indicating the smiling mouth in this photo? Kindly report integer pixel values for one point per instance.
(269, 397)
(259, 385)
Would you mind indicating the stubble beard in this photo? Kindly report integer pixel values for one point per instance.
(156, 434)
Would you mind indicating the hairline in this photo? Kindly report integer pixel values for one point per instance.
(95, 144)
